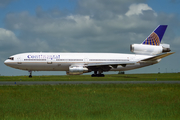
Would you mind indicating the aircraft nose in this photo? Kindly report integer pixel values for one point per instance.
(6, 62)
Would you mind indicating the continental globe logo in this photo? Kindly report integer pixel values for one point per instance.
(153, 39)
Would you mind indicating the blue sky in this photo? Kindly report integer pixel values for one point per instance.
(86, 26)
(17, 6)
(167, 6)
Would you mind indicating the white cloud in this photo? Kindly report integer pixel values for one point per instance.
(137, 9)
(85, 30)
(7, 37)
(9, 43)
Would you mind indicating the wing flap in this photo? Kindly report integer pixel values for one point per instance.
(158, 57)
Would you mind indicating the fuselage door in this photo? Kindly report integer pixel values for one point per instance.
(19, 60)
(86, 60)
(50, 61)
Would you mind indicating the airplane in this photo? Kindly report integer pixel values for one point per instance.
(149, 52)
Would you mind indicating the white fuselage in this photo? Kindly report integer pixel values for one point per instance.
(62, 61)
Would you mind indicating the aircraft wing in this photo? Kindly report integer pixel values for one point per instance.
(158, 57)
(110, 63)
(107, 66)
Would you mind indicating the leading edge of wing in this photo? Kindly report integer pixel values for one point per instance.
(158, 56)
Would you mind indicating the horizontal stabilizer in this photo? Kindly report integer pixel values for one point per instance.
(158, 57)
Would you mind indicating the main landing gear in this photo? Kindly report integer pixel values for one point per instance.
(97, 75)
(30, 72)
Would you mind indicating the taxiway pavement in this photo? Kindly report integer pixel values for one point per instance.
(83, 82)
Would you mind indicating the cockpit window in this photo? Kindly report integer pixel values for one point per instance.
(11, 58)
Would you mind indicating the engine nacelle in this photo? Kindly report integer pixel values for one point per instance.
(76, 70)
(149, 49)
(166, 47)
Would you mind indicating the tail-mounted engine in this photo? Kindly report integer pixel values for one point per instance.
(76, 70)
(149, 49)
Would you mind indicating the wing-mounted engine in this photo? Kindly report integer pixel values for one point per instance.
(149, 49)
(76, 70)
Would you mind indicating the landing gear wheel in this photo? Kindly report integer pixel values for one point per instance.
(100, 75)
(93, 75)
(97, 75)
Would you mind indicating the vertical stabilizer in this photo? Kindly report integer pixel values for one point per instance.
(156, 36)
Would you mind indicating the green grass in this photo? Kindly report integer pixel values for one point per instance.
(90, 102)
(125, 77)
(94, 101)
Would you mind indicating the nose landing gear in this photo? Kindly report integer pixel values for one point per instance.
(30, 74)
